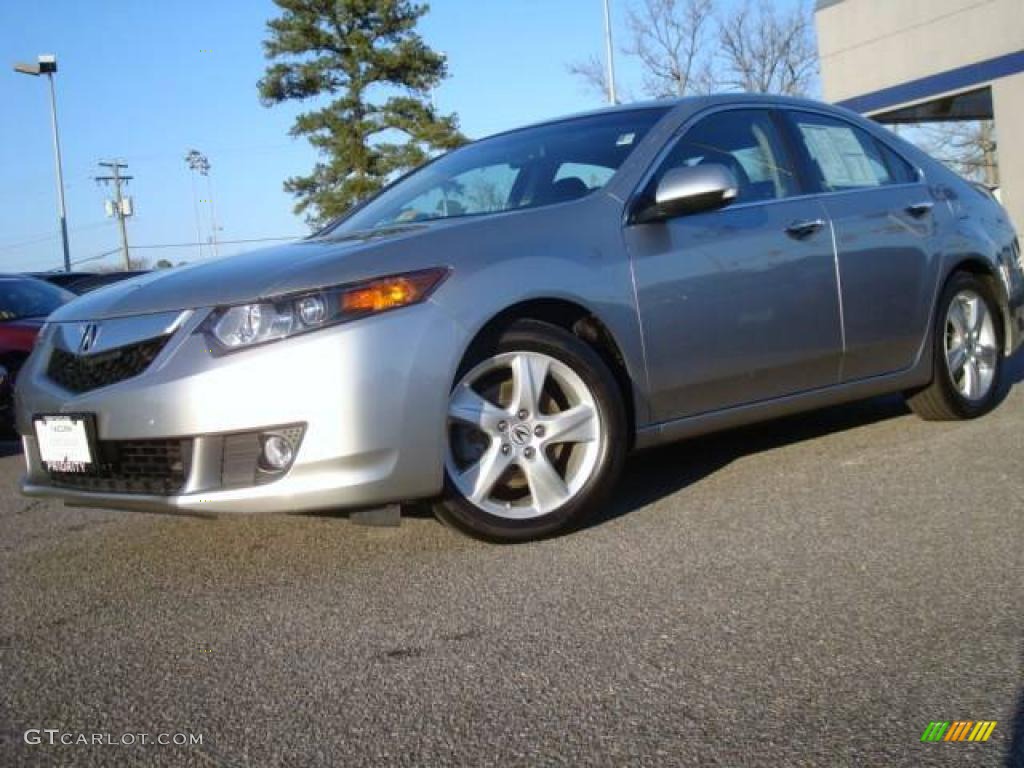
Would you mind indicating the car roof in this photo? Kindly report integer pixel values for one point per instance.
(690, 104)
(709, 100)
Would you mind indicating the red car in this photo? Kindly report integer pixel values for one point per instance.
(25, 303)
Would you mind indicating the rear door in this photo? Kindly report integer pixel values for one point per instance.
(739, 304)
(886, 238)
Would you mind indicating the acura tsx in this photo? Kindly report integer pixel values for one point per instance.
(498, 329)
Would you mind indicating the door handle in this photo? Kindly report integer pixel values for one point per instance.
(804, 228)
(920, 209)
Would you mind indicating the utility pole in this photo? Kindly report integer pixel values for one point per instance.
(120, 206)
(610, 50)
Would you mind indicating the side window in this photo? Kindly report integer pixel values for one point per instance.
(846, 157)
(902, 171)
(746, 142)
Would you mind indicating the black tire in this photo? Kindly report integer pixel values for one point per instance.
(536, 336)
(941, 400)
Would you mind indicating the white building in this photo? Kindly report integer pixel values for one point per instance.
(912, 61)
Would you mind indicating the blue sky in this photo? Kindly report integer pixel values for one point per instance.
(145, 81)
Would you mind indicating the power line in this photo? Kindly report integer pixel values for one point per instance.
(189, 245)
(40, 239)
(46, 238)
(95, 258)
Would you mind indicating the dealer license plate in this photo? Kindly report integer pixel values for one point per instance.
(64, 444)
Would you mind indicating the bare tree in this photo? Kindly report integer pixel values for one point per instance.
(593, 74)
(669, 38)
(685, 48)
(969, 148)
(763, 50)
(484, 195)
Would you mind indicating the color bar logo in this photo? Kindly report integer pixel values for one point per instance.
(959, 730)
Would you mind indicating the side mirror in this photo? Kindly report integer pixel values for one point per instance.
(690, 190)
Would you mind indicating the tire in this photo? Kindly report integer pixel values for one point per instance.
(979, 335)
(533, 400)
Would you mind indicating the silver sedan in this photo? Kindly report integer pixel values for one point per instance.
(497, 330)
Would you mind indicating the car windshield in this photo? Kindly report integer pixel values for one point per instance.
(22, 297)
(529, 168)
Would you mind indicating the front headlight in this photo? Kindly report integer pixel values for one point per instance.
(247, 325)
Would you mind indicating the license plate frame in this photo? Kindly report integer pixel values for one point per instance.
(76, 452)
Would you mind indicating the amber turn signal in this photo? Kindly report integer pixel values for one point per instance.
(391, 292)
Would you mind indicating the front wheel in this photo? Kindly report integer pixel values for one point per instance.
(968, 349)
(536, 435)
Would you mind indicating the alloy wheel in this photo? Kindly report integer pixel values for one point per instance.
(971, 346)
(525, 435)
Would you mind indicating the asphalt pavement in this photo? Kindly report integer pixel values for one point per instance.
(812, 591)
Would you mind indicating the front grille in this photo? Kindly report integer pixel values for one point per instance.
(156, 467)
(81, 373)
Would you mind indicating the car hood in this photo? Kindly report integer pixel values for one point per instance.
(297, 266)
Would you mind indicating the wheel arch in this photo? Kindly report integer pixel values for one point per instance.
(978, 265)
(579, 320)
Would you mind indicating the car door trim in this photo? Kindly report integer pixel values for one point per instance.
(839, 290)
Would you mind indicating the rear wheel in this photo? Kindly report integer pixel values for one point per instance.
(968, 353)
(536, 435)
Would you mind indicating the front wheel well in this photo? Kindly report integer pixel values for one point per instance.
(579, 321)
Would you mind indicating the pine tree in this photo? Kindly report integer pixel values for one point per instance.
(367, 56)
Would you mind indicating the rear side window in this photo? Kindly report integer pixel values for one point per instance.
(744, 141)
(844, 156)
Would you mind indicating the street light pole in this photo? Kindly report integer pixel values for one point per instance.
(61, 211)
(47, 65)
(612, 98)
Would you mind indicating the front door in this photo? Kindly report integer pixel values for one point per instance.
(740, 304)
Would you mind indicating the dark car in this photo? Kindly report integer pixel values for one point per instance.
(25, 304)
(83, 282)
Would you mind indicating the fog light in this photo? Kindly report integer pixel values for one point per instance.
(277, 452)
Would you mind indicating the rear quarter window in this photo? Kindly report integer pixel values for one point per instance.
(901, 171)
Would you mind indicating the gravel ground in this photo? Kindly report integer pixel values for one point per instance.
(808, 592)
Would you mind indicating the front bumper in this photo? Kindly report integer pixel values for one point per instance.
(371, 394)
